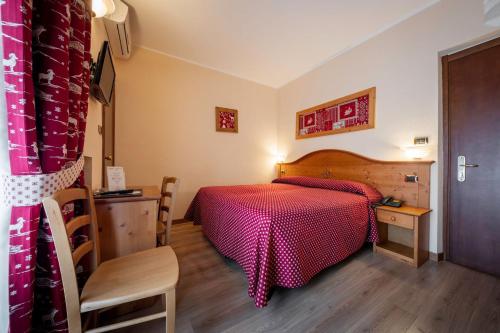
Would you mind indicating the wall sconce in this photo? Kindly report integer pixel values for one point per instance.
(102, 7)
(280, 158)
(419, 149)
(417, 152)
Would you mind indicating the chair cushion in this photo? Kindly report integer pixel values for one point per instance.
(129, 278)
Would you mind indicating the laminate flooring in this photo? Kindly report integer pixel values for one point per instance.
(365, 293)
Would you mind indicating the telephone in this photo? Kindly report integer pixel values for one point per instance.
(390, 201)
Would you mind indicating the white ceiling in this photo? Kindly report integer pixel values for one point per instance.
(267, 41)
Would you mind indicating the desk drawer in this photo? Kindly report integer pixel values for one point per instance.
(397, 219)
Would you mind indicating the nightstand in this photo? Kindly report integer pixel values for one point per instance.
(407, 219)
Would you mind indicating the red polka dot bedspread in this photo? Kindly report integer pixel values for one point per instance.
(284, 233)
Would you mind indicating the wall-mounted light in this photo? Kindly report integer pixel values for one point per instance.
(103, 7)
(416, 152)
(421, 140)
(280, 158)
(419, 149)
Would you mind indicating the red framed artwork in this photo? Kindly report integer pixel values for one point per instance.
(226, 120)
(354, 112)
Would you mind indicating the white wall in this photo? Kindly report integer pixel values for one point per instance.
(165, 125)
(165, 122)
(93, 140)
(404, 65)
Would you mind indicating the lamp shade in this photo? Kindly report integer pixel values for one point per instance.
(280, 158)
(103, 7)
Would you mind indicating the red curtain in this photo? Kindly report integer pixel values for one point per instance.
(46, 52)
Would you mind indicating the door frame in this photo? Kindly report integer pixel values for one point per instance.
(103, 136)
(447, 163)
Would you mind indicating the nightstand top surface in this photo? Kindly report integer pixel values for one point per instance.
(408, 210)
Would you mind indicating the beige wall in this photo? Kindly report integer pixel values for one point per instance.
(165, 125)
(93, 140)
(165, 108)
(404, 65)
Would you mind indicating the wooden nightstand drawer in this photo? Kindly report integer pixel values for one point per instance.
(397, 219)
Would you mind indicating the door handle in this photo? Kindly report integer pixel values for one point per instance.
(108, 158)
(461, 165)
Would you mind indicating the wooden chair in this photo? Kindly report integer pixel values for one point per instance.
(169, 189)
(114, 282)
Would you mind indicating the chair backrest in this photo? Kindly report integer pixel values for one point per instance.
(67, 257)
(169, 189)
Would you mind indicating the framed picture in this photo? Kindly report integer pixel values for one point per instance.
(226, 120)
(354, 112)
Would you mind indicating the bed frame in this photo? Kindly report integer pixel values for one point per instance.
(386, 176)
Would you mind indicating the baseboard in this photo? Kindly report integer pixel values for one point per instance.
(179, 221)
(436, 256)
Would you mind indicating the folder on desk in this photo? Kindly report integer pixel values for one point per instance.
(118, 194)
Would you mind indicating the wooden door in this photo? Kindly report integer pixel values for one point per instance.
(472, 129)
(108, 138)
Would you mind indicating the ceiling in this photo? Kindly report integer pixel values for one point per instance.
(267, 41)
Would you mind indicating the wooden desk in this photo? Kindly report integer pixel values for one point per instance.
(127, 224)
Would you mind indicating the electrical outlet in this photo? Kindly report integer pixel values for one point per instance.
(411, 178)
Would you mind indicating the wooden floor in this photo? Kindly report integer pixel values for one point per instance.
(365, 293)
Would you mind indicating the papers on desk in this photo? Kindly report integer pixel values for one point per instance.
(116, 178)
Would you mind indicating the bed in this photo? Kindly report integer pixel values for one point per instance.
(284, 233)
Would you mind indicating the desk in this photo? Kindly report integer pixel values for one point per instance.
(127, 224)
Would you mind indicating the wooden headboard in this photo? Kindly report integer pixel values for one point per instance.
(386, 176)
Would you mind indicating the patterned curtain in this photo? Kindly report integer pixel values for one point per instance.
(46, 56)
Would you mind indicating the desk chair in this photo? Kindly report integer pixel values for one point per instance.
(125, 279)
(169, 189)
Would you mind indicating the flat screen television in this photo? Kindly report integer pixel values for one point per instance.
(103, 80)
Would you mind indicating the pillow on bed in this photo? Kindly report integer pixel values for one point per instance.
(334, 184)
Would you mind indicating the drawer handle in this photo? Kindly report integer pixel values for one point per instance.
(393, 218)
(146, 212)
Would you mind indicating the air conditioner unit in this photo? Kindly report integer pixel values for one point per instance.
(492, 13)
(118, 30)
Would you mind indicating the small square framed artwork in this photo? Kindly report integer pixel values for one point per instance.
(226, 120)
